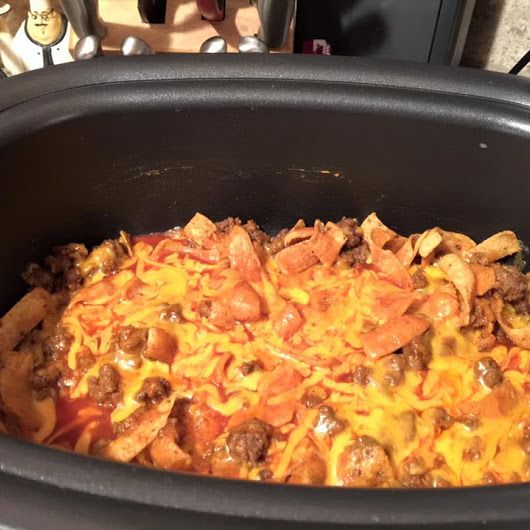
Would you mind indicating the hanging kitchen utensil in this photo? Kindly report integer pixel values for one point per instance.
(275, 17)
(251, 44)
(212, 10)
(87, 48)
(84, 17)
(215, 44)
(135, 46)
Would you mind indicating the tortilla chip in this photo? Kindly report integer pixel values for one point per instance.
(16, 392)
(165, 451)
(455, 243)
(296, 258)
(484, 277)
(298, 234)
(390, 265)
(459, 273)
(200, 229)
(23, 317)
(242, 255)
(126, 446)
(405, 254)
(496, 247)
(375, 232)
(393, 335)
(327, 244)
(428, 242)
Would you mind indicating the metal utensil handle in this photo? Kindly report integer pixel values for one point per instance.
(275, 17)
(83, 15)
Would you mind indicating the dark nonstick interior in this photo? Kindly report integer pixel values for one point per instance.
(87, 150)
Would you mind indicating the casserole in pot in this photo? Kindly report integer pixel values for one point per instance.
(148, 144)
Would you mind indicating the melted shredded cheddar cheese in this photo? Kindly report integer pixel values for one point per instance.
(339, 307)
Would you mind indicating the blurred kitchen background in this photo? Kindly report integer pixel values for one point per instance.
(489, 34)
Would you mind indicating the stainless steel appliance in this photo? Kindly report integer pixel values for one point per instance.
(429, 31)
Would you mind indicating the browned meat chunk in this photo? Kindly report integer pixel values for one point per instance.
(66, 256)
(249, 441)
(419, 281)
(365, 464)
(64, 265)
(313, 397)
(105, 258)
(277, 242)
(352, 231)
(417, 354)
(172, 313)
(470, 421)
(255, 233)
(361, 375)
(250, 367)
(152, 343)
(449, 345)
(489, 479)
(85, 359)
(488, 372)
(58, 344)
(485, 341)
(45, 380)
(226, 225)
(265, 474)
(439, 417)
(414, 474)
(510, 283)
(154, 389)
(396, 365)
(36, 276)
(61, 271)
(327, 421)
(355, 256)
(482, 315)
(205, 308)
(473, 450)
(105, 389)
(131, 340)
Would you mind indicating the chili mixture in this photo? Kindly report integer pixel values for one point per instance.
(337, 353)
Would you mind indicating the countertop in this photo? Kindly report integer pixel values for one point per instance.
(499, 35)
